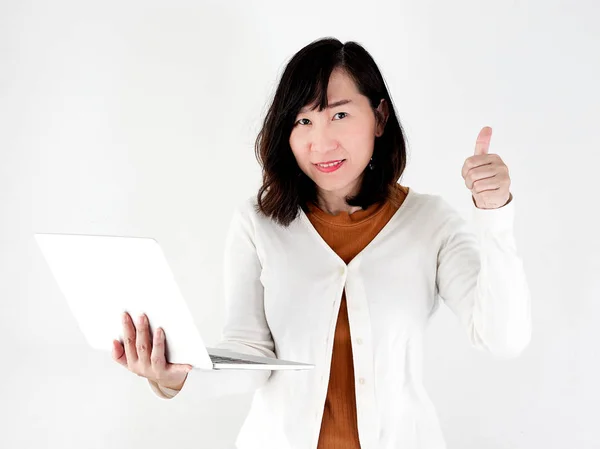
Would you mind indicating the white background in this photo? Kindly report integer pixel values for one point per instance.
(139, 118)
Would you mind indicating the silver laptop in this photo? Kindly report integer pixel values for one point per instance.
(102, 276)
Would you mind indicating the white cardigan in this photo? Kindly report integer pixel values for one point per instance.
(283, 288)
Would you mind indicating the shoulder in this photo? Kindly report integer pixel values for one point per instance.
(246, 206)
(429, 203)
(247, 211)
(433, 214)
(243, 211)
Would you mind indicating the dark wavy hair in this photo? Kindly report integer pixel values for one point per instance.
(285, 187)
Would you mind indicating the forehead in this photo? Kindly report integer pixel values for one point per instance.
(341, 83)
(340, 87)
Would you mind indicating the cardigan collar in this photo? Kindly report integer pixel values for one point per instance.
(346, 219)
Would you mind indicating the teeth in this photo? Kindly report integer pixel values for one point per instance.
(330, 165)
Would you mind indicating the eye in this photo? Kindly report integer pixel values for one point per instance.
(298, 122)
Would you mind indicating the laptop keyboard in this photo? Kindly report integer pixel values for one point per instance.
(220, 359)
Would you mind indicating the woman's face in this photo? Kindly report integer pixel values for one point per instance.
(344, 132)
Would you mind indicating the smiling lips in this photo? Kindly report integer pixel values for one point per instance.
(328, 167)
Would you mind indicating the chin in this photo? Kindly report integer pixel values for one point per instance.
(335, 186)
(332, 182)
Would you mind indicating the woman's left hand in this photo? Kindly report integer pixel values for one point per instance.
(486, 175)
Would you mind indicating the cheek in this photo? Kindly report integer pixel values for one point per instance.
(300, 154)
(359, 145)
(358, 133)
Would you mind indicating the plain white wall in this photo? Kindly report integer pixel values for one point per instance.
(139, 118)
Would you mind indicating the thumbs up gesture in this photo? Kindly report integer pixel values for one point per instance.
(486, 175)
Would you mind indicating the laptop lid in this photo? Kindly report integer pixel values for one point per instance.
(101, 276)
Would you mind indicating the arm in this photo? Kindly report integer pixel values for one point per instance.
(246, 329)
(480, 277)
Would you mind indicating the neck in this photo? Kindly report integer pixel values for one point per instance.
(334, 203)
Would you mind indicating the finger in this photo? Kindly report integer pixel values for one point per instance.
(477, 161)
(482, 145)
(174, 368)
(129, 339)
(142, 340)
(478, 173)
(157, 357)
(484, 185)
(160, 366)
(118, 353)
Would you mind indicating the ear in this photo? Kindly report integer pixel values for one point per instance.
(381, 114)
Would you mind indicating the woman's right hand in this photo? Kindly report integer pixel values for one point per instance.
(147, 358)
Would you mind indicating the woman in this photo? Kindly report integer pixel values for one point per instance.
(334, 263)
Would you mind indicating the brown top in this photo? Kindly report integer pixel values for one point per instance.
(347, 234)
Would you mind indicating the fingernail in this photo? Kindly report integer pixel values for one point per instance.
(125, 317)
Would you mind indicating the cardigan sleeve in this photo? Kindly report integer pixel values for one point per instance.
(245, 329)
(480, 276)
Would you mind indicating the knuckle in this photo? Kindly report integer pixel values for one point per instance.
(141, 347)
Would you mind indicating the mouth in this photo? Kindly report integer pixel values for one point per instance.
(329, 163)
(330, 166)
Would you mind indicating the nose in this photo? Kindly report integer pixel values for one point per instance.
(321, 141)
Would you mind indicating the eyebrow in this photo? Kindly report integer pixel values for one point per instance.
(329, 106)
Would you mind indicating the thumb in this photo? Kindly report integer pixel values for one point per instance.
(482, 145)
(176, 368)
(118, 353)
